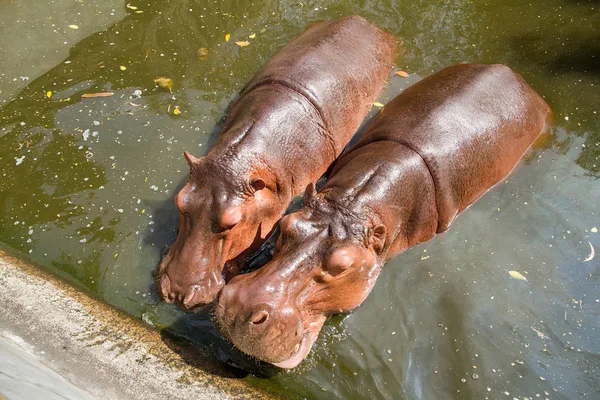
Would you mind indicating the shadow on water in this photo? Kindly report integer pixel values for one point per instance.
(198, 332)
(582, 55)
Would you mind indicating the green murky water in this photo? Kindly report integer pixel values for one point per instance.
(86, 185)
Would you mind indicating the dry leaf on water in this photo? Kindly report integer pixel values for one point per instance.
(227, 36)
(243, 43)
(517, 275)
(378, 104)
(164, 82)
(401, 73)
(202, 53)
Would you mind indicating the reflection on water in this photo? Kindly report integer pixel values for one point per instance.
(87, 188)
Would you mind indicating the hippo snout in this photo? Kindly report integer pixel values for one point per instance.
(190, 296)
(262, 330)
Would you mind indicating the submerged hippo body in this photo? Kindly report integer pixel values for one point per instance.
(427, 155)
(291, 122)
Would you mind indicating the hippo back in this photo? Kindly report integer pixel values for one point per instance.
(470, 124)
(317, 66)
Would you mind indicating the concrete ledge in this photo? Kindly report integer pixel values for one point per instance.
(96, 348)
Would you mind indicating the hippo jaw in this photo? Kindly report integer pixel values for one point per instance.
(303, 347)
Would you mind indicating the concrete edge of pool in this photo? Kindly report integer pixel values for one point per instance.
(94, 347)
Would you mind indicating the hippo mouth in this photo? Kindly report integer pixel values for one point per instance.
(304, 345)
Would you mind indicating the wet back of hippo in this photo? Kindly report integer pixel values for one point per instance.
(312, 95)
(317, 65)
(469, 123)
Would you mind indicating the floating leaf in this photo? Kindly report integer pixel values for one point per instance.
(517, 275)
(131, 7)
(164, 82)
(202, 53)
(122, 68)
(176, 111)
(227, 36)
(401, 73)
(378, 104)
(73, 27)
(594, 230)
(243, 43)
(592, 253)
(252, 36)
(101, 94)
(49, 93)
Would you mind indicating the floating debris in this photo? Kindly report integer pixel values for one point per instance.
(165, 83)
(594, 230)
(540, 334)
(517, 275)
(122, 68)
(592, 253)
(49, 93)
(131, 7)
(202, 53)
(19, 161)
(378, 104)
(100, 94)
(176, 111)
(243, 43)
(227, 36)
(252, 36)
(401, 73)
(73, 27)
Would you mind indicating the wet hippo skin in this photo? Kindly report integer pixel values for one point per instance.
(427, 155)
(291, 122)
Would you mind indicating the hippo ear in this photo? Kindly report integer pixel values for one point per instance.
(191, 160)
(377, 238)
(309, 193)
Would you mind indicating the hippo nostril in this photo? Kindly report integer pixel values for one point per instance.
(259, 317)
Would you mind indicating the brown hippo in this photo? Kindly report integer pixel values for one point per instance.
(427, 155)
(291, 122)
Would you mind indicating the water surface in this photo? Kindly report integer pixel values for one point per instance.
(87, 185)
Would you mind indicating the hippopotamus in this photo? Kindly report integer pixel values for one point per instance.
(426, 156)
(291, 122)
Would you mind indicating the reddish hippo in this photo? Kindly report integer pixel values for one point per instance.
(291, 122)
(427, 155)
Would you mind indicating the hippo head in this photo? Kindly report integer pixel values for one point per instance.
(224, 215)
(326, 261)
